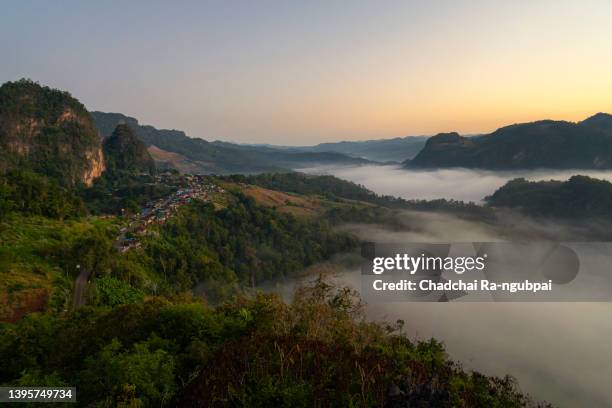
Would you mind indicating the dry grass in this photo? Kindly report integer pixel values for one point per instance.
(14, 304)
(178, 161)
(303, 207)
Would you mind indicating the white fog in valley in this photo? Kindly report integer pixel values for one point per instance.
(558, 352)
(459, 184)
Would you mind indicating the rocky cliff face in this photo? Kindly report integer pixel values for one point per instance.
(50, 132)
(97, 167)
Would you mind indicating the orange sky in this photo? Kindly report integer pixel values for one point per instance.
(308, 72)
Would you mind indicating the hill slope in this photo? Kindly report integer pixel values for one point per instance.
(542, 144)
(125, 152)
(48, 131)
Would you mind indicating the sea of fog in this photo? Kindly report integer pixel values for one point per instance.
(460, 184)
(559, 352)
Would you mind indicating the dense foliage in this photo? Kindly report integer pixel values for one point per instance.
(255, 352)
(40, 258)
(243, 242)
(29, 193)
(580, 197)
(117, 191)
(32, 194)
(214, 251)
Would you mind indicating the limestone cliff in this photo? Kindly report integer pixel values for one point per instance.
(50, 132)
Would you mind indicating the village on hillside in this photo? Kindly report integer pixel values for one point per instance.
(157, 212)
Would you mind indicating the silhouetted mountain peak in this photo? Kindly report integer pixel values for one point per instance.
(544, 143)
(449, 137)
(599, 115)
(601, 121)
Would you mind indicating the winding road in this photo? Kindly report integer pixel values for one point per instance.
(80, 285)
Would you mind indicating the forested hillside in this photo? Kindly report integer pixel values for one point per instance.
(124, 152)
(578, 198)
(541, 144)
(216, 249)
(174, 322)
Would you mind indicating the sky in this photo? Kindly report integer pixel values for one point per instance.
(305, 72)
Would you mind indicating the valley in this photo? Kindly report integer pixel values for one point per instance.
(192, 230)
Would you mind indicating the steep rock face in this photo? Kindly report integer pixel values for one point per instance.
(125, 152)
(50, 132)
(98, 165)
(542, 144)
(442, 150)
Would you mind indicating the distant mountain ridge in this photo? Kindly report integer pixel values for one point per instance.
(201, 156)
(601, 121)
(50, 132)
(541, 144)
(397, 149)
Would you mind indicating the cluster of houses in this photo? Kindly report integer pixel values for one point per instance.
(159, 211)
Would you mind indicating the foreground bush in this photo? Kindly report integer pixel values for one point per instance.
(258, 351)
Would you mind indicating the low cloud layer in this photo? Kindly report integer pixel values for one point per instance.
(557, 351)
(460, 184)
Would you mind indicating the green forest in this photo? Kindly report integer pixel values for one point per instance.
(251, 351)
(580, 197)
(166, 309)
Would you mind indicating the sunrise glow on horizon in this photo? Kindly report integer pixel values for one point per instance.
(301, 73)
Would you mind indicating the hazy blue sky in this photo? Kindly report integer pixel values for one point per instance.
(302, 72)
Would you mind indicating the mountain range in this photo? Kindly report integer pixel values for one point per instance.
(173, 148)
(397, 149)
(542, 144)
(51, 132)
